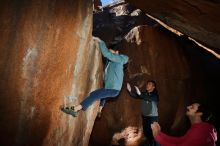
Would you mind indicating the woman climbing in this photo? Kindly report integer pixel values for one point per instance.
(113, 79)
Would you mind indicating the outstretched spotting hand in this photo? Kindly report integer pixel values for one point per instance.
(97, 39)
(128, 87)
(137, 90)
(155, 128)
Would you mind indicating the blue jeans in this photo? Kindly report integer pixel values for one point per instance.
(99, 94)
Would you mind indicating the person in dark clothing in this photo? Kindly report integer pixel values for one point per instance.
(149, 108)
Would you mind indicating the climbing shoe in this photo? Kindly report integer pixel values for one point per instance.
(69, 110)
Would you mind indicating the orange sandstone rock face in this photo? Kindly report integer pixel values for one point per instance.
(198, 19)
(47, 59)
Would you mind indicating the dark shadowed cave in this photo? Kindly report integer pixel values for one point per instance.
(184, 72)
(48, 58)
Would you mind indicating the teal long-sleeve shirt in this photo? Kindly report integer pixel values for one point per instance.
(114, 73)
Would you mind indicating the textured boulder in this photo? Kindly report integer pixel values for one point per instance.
(199, 19)
(114, 22)
(47, 59)
(154, 54)
(184, 73)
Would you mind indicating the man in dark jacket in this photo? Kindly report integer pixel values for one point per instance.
(149, 108)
